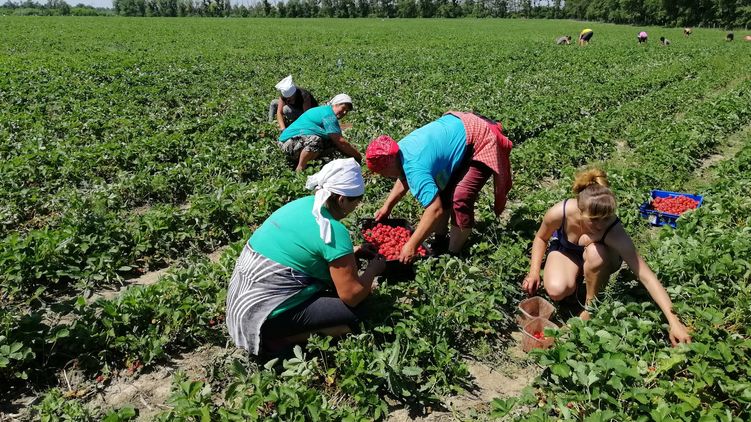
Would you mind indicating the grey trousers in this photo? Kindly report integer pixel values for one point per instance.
(290, 114)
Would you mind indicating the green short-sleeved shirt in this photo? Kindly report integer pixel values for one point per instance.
(291, 237)
(320, 121)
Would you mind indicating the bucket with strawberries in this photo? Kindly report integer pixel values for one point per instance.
(534, 307)
(389, 235)
(664, 207)
(534, 334)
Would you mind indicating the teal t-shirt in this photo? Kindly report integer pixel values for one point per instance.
(430, 155)
(290, 236)
(320, 121)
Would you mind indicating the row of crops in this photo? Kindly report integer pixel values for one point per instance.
(122, 154)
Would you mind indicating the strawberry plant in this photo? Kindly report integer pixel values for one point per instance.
(121, 153)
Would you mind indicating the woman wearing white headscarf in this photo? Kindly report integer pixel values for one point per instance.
(293, 101)
(297, 275)
(317, 133)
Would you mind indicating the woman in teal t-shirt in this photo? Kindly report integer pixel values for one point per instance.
(317, 133)
(297, 275)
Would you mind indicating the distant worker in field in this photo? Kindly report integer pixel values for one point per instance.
(317, 133)
(298, 273)
(585, 36)
(664, 41)
(445, 165)
(584, 237)
(292, 103)
(687, 31)
(642, 37)
(564, 40)
(730, 36)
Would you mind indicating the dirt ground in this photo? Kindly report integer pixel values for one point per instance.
(150, 392)
(505, 380)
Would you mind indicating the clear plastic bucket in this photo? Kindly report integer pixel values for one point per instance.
(537, 325)
(535, 307)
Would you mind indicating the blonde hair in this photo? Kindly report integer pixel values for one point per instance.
(593, 194)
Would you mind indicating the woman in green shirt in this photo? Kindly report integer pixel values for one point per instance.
(317, 133)
(298, 275)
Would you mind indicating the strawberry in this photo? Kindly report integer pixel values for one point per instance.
(676, 205)
(390, 240)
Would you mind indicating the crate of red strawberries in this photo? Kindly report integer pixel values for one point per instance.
(389, 235)
(664, 207)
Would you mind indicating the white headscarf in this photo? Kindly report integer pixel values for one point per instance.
(341, 99)
(286, 87)
(343, 177)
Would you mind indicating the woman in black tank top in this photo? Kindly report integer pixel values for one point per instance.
(584, 237)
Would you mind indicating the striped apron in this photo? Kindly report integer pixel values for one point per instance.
(257, 287)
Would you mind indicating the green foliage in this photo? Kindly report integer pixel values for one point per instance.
(121, 154)
(55, 407)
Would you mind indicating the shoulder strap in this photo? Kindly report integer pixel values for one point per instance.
(617, 220)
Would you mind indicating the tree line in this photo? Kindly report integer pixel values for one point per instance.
(342, 8)
(711, 13)
(51, 8)
(705, 13)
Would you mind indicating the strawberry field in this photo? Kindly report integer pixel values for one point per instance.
(130, 146)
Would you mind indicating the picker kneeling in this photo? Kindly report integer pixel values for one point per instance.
(298, 275)
(587, 238)
(318, 133)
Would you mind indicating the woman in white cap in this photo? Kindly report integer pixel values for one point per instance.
(298, 275)
(292, 103)
(317, 133)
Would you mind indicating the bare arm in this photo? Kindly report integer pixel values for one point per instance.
(396, 195)
(280, 114)
(350, 287)
(622, 243)
(425, 227)
(345, 147)
(550, 222)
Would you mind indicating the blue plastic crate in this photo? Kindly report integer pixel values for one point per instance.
(657, 218)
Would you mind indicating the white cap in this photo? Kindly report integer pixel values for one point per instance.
(341, 99)
(286, 87)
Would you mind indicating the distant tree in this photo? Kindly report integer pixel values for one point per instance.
(60, 6)
(130, 7)
(363, 8)
(425, 8)
(499, 8)
(312, 8)
(743, 19)
(406, 9)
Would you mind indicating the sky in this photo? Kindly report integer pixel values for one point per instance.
(95, 3)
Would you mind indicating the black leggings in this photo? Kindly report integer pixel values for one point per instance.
(316, 313)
